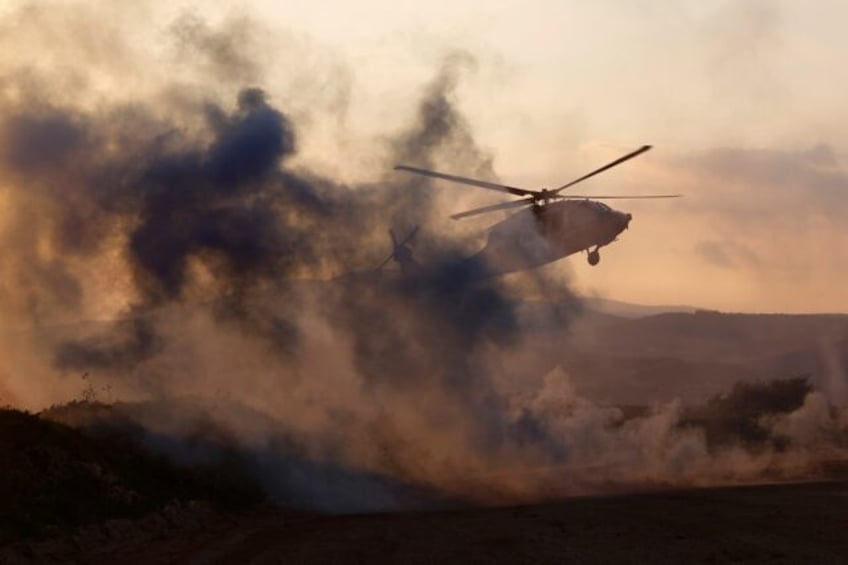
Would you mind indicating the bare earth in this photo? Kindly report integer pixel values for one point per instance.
(796, 523)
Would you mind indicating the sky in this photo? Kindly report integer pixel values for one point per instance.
(743, 101)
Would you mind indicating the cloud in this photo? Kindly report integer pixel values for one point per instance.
(770, 186)
(744, 39)
(726, 254)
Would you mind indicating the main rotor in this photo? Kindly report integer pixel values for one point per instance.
(530, 197)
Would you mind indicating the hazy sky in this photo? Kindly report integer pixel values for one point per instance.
(742, 99)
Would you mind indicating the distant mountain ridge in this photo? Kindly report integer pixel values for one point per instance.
(630, 310)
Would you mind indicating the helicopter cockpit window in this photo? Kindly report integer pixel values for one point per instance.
(601, 206)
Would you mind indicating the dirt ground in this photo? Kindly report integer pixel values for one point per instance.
(789, 523)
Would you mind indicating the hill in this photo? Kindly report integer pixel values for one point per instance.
(54, 478)
(691, 356)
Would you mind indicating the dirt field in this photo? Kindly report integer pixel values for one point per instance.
(798, 523)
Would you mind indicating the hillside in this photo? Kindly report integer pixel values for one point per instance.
(54, 478)
(688, 356)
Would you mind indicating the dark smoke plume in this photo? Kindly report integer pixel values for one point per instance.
(219, 215)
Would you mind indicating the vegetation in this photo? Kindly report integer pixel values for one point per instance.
(53, 477)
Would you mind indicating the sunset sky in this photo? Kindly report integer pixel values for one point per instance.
(743, 100)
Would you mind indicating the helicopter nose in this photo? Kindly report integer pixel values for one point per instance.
(624, 220)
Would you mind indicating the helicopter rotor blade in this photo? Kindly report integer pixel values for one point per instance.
(615, 197)
(464, 180)
(493, 208)
(383, 264)
(605, 167)
(408, 238)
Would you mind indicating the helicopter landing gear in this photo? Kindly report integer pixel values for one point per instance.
(594, 257)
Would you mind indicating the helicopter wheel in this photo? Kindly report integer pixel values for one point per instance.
(594, 257)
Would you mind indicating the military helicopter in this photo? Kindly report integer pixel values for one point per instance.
(551, 226)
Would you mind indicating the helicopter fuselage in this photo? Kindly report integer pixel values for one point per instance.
(544, 233)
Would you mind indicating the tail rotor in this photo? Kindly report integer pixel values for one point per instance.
(401, 251)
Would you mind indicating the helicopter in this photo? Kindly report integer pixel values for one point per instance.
(552, 225)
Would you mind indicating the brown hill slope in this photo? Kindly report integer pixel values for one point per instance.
(54, 478)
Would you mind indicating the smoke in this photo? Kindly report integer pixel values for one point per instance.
(224, 254)
(238, 277)
(226, 52)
